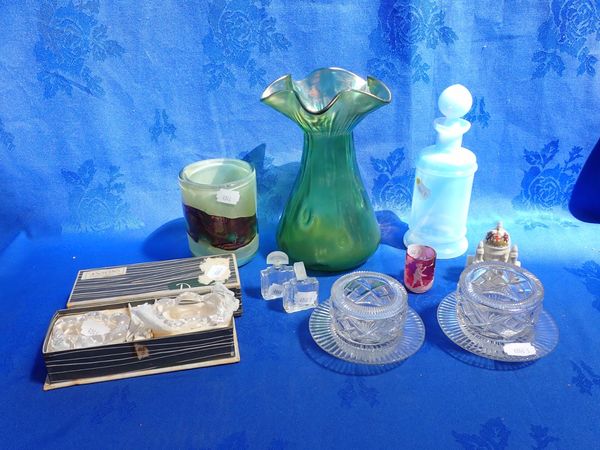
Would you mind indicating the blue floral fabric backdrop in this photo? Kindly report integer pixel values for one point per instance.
(103, 102)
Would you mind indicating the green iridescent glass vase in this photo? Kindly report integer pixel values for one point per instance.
(328, 222)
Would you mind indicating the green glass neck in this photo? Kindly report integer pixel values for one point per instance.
(329, 222)
(327, 154)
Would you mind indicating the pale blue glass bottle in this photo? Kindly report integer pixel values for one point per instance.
(443, 181)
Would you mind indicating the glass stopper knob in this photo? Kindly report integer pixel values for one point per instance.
(277, 258)
(455, 101)
(300, 271)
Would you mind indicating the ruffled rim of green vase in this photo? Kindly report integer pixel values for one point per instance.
(383, 95)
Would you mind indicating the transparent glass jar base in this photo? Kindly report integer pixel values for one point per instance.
(543, 340)
(443, 251)
(366, 350)
(514, 328)
(242, 255)
(409, 343)
(499, 302)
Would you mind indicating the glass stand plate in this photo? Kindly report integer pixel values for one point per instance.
(324, 335)
(544, 341)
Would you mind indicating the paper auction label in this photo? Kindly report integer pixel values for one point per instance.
(519, 349)
(228, 197)
(306, 298)
(275, 290)
(103, 273)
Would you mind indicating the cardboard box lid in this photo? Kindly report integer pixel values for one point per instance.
(118, 284)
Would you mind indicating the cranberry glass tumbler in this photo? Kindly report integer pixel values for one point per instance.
(419, 268)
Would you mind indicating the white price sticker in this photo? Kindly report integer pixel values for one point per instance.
(519, 349)
(228, 197)
(103, 273)
(306, 298)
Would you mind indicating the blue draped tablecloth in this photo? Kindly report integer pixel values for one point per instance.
(103, 102)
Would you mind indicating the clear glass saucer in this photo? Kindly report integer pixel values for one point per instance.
(544, 341)
(324, 335)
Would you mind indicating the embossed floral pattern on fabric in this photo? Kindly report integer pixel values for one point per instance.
(162, 126)
(71, 42)
(585, 378)
(589, 272)
(572, 28)
(356, 388)
(545, 220)
(547, 184)
(541, 436)
(392, 187)
(96, 201)
(403, 27)
(241, 33)
(478, 114)
(494, 435)
(6, 138)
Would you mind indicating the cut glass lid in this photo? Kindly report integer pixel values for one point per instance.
(500, 285)
(277, 258)
(369, 295)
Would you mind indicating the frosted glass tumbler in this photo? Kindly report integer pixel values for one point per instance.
(219, 205)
